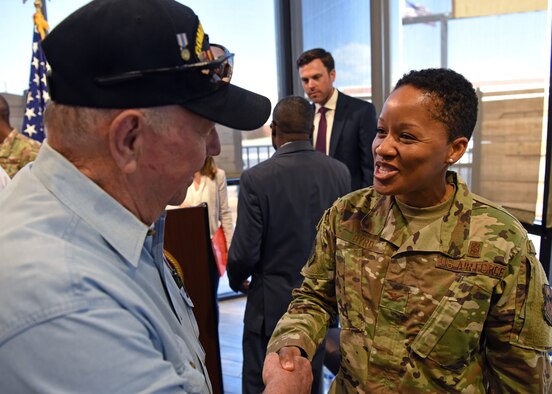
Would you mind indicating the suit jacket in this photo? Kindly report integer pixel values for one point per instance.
(353, 130)
(280, 203)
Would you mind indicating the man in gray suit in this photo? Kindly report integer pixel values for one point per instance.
(280, 202)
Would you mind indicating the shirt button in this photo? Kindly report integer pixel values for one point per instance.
(192, 365)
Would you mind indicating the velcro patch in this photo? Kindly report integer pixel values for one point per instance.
(547, 304)
(474, 249)
(476, 267)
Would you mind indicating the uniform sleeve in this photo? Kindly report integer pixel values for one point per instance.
(245, 250)
(518, 335)
(306, 321)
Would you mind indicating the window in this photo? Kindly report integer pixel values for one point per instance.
(507, 58)
(342, 28)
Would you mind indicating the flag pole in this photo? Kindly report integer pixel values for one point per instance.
(43, 8)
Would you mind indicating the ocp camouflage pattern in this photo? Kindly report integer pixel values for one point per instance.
(16, 151)
(456, 307)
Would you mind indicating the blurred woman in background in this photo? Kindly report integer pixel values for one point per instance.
(209, 186)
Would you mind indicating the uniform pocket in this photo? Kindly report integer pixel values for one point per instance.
(452, 334)
(360, 269)
(349, 285)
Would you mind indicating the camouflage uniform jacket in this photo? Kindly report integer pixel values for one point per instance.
(455, 307)
(16, 151)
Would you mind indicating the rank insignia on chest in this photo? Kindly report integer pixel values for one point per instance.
(547, 305)
(474, 249)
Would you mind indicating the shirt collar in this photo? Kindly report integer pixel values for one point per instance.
(118, 226)
(284, 144)
(330, 104)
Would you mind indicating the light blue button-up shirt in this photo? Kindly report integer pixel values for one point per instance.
(87, 303)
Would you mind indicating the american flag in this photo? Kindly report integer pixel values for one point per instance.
(37, 95)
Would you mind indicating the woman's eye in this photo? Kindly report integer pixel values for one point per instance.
(381, 131)
(407, 137)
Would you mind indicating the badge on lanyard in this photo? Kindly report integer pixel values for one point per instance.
(174, 268)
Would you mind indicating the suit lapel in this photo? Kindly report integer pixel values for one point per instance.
(338, 122)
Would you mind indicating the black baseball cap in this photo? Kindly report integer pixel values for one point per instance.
(146, 53)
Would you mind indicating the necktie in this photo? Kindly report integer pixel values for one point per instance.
(321, 138)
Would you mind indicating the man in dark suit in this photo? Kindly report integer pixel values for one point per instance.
(347, 124)
(280, 202)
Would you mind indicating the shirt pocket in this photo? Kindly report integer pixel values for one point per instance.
(359, 267)
(188, 312)
(190, 369)
(452, 334)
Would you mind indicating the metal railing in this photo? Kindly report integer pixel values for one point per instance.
(252, 155)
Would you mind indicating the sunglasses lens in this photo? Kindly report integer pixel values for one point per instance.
(218, 51)
(216, 62)
(220, 64)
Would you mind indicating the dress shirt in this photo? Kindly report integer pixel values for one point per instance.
(88, 303)
(330, 105)
(4, 178)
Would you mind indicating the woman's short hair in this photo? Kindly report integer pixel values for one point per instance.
(452, 98)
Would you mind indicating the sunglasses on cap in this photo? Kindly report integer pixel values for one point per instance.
(216, 62)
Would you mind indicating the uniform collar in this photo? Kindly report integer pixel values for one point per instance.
(447, 236)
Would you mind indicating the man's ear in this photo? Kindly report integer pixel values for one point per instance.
(125, 136)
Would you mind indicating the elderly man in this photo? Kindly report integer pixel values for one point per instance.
(89, 303)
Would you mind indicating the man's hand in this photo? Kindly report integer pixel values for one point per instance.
(244, 288)
(287, 372)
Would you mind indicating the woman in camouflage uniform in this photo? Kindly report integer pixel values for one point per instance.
(436, 288)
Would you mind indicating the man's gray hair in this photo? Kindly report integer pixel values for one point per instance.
(73, 126)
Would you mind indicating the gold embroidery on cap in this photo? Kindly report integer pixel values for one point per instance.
(199, 39)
